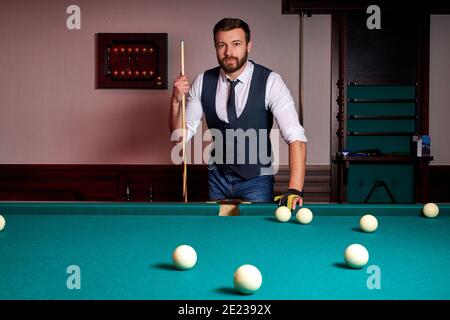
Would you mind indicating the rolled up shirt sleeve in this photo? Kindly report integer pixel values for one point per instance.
(281, 103)
(194, 110)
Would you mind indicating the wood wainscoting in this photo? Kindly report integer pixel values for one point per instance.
(439, 183)
(56, 182)
(78, 182)
(317, 182)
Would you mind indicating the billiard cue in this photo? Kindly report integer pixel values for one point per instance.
(183, 112)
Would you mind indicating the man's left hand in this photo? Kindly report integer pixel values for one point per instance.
(290, 199)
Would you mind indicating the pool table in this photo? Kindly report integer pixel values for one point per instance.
(115, 250)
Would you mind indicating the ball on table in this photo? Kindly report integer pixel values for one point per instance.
(368, 223)
(184, 257)
(430, 210)
(247, 279)
(283, 214)
(2, 222)
(356, 256)
(304, 216)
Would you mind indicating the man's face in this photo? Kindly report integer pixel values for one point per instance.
(232, 49)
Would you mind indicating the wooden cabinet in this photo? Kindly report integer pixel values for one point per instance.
(381, 104)
(379, 98)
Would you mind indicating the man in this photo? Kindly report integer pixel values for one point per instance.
(237, 97)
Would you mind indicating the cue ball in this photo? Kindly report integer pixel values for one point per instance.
(2, 222)
(247, 279)
(283, 214)
(304, 216)
(356, 256)
(368, 223)
(184, 257)
(430, 210)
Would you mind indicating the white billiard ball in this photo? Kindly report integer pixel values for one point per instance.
(430, 210)
(283, 214)
(368, 223)
(247, 279)
(184, 257)
(356, 256)
(2, 222)
(304, 216)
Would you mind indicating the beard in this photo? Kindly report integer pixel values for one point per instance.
(233, 68)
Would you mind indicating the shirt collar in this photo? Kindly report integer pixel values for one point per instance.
(244, 76)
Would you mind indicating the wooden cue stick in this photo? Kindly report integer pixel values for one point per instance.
(183, 106)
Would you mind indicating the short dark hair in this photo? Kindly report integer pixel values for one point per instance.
(228, 24)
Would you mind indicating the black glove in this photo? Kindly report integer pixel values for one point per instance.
(288, 198)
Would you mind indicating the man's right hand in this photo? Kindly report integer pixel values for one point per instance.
(180, 88)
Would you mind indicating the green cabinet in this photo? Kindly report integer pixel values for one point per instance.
(382, 104)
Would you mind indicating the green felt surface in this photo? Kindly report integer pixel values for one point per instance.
(124, 252)
(381, 92)
(386, 144)
(381, 109)
(381, 125)
(399, 179)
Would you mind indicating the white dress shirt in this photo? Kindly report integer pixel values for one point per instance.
(278, 99)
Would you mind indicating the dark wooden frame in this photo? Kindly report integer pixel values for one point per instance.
(105, 79)
(338, 107)
(338, 11)
(110, 182)
(334, 6)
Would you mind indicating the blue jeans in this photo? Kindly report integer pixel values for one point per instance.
(231, 186)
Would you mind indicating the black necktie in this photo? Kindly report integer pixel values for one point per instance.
(231, 105)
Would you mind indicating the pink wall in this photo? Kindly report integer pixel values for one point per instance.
(316, 77)
(440, 88)
(50, 111)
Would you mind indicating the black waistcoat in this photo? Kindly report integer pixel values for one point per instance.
(246, 141)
